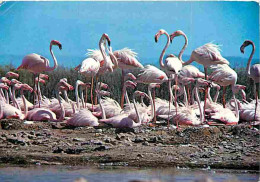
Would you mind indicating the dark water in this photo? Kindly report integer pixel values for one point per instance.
(124, 174)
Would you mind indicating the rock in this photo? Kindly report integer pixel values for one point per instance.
(19, 140)
(99, 130)
(145, 143)
(140, 155)
(101, 148)
(78, 139)
(80, 180)
(138, 140)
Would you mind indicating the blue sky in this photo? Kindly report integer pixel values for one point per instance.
(28, 27)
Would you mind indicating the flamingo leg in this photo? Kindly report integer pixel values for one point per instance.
(91, 92)
(256, 102)
(122, 92)
(38, 84)
(175, 95)
(34, 94)
(97, 78)
(86, 97)
(224, 100)
(170, 101)
(206, 92)
(154, 118)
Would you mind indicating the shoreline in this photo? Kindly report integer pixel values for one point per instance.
(216, 147)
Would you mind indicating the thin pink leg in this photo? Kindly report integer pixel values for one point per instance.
(256, 103)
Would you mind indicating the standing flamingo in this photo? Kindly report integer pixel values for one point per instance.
(253, 72)
(223, 75)
(172, 65)
(36, 63)
(207, 55)
(127, 60)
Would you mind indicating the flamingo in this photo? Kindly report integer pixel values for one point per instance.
(223, 75)
(6, 82)
(127, 60)
(172, 65)
(36, 63)
(253, 72)
(207, 55)
(126, 120)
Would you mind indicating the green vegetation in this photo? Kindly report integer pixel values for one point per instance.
(114, 82)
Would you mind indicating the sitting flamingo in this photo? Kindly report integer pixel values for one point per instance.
(126, 120)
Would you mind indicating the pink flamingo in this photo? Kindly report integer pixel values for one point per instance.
(223, 75)
(207, 55)
(36, 63)
(127, 60)
(126, 120)
(253, 72)
(172, 66)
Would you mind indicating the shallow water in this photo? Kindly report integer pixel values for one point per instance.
(123, 174)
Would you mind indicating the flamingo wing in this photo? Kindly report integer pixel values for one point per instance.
(127, 59)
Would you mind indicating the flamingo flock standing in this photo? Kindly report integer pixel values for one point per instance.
(107, 111)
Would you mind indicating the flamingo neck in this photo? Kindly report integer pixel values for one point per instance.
(1, 110)
(25, 105)
(62, 116)
(39, 92)
(216, 95)
(198, 101)
(81, 97)
(151, 100)
(185, 98)
(102, 108)
(236, 106)
(6, 96)
(164, 49)
(209, 96)
(54, 59)
(77, 95)
(2, 94)
(250, 58)
(15, 101)
(10, 93)
(102, 50)
(137, 113)
(183, 48)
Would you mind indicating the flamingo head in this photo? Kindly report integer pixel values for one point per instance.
(41, 80)
(202, 82)
(14, 81)
(154, 85)
(57, 43)
(130, 75)
(158, 34)
(130, 84)
(88, 85)
(11, 74)
(175, 87)
(139, 93)
(104, 85)
(245, 44)
(63, 82)
(3, 86)
(26, 87)
(176, 34)
(77, 67)
(5, 80)
(44, 76)
(105, 36)
(102, 92)
(80, 83)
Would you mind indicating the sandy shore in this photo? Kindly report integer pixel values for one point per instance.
(233, 147)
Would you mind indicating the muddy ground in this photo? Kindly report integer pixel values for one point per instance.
(233, 147)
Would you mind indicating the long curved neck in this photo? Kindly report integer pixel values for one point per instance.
(54, 59)
(6, 96)
(81, 97)
(236, 106)
(216, 96)
(151, 100)
(102, 50)
(209, 96)
(198, 101)
(77, 95)
(164, 49)
(25, 105)
(39, 91)
(102, 108)
(62, 116)
(250, 58)
(183, 48)
(185, 98)
(15, 101)
(1, 111)
(137, 113)
(10, 93)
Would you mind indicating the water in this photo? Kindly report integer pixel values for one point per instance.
(124, 174)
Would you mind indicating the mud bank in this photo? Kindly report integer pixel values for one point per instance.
(232, 147)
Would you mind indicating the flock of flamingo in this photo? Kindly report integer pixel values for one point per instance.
(188, 111)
